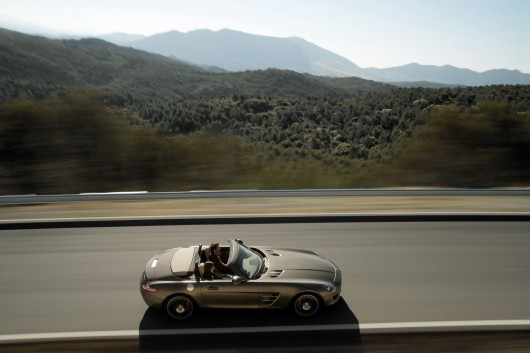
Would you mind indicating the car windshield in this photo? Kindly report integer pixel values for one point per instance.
(244, 261)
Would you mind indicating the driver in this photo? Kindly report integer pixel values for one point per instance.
(214, 255)
(208, 271)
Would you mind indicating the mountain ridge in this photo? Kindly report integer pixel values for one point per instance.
(239, 51)
(448, 74)
(96, 64)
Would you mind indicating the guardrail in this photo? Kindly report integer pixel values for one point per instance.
(152, 196)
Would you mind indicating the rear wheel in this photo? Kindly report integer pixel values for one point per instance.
(180, 307)
(306, 305)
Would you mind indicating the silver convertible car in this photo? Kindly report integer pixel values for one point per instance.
(182, 279)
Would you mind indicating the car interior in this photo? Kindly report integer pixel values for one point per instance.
(202, 268)
(205, 253)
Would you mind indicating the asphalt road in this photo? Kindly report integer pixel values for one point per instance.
(86, 279)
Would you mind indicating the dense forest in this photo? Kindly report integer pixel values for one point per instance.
(365, 125)
(80, 142)
(81, 116)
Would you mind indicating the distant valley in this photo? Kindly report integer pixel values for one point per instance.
(237, 51)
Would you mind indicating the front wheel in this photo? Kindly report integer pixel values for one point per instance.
(306, 305)
(180, 307)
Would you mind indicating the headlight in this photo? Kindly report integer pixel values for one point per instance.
(330, 288)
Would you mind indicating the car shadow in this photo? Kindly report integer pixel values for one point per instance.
(332, 329)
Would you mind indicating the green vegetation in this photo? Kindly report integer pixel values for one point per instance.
(145, 122)
(77, 144)
(485, 145)
(364, 126)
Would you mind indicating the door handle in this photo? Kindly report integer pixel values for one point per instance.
(212, 288)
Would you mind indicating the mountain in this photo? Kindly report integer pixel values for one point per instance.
(96, 64)
(237, 51)
(447, 75)
(122, 39)
(83, 63)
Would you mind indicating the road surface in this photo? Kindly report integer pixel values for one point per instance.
(86, 279)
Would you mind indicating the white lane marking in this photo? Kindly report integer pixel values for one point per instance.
(66, 336)
(364, 329)
(444, 326)
(113, 193)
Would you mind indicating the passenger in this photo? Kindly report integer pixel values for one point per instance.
(215, 257)
(208, 271)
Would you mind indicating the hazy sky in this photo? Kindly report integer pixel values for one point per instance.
(475, 34)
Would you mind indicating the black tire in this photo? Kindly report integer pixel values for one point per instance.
(306, 305)
(180, 307)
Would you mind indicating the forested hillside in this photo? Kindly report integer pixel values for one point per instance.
(80, 116)
(365, 125)
(49, 64)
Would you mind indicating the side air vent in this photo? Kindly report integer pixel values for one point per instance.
(275, 273)
(268, 298)
(272, 252)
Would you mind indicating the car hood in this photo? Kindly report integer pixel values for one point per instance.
(299, 264)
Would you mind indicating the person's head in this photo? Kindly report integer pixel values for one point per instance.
(214, 248)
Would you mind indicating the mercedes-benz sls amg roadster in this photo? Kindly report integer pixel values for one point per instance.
(181, 280)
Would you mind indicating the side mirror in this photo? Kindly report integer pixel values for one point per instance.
(236, 280)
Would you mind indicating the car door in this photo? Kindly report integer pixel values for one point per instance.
(223, 293)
